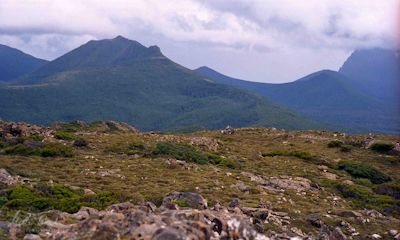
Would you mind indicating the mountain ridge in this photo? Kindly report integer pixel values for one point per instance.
(143, 88)
(14, 63)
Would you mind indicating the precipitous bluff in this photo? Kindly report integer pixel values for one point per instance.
(106, 180)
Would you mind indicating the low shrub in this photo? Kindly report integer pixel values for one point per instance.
(131, 148)
(180, 151)
(345, 148)
(80, 142)
(389, 189)
(361, 170)
(363, 197)
(65, 135)
(55, 150)
(335, 144)
(43, 197)
(381, 147)
(49, 150)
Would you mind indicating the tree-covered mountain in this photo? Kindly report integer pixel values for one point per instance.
(326, 96)
(14, 63)
(122, 80)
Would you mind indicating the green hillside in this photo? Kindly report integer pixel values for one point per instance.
(122, 80)
(14, 63)
(326, 96)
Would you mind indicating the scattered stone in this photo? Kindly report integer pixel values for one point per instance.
(235, 202)
(376, 236)
(298, 184)
(88, 191)
(7, 179)
(328, 175)
(85, 213)
(193, 200)
(393, 232)
(337, 234)
(228, 130)
(32, 237)
(314, 220)
(241, 187)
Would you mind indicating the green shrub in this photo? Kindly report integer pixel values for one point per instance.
(19, 149)
(49, 150)
(127, 148)
(381, 147)
(180, 151)
(360, 170)
(60, 191)
(335, 144)
(69, 205)
(363, 197)
(43, 197)
(389, 189)
(3, 200)
(345, 148)
(80, 142)
(55, 150)
(100, 200)
(64, 135)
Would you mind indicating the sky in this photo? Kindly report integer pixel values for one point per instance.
(258, 40)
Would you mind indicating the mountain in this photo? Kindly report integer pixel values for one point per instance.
(14, 63)
(375, 71)
(119, 79)
(326, 96)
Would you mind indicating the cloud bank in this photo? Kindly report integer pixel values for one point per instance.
(48, 28)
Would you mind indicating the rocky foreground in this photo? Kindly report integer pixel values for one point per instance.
(169, 221)
(233, 184)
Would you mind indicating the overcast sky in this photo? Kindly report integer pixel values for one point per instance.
(258, 40)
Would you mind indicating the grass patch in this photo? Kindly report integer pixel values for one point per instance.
(362, 170)
(299, 154)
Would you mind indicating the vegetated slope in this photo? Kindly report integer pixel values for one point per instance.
(14, 63)
(122, 80)
(282, 183)
(326, 96)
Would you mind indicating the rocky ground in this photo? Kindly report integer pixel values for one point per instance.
(106, 180)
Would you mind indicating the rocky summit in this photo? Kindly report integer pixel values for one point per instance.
(107, 180)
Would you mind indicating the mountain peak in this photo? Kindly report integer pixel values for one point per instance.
(119, 38)
(99, 53)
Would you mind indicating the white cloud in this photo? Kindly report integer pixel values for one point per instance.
(48, 28)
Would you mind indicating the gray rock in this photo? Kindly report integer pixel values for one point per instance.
(235, 202)
(168, 233)
(193, 200)
(32, 237)
(337, 234)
